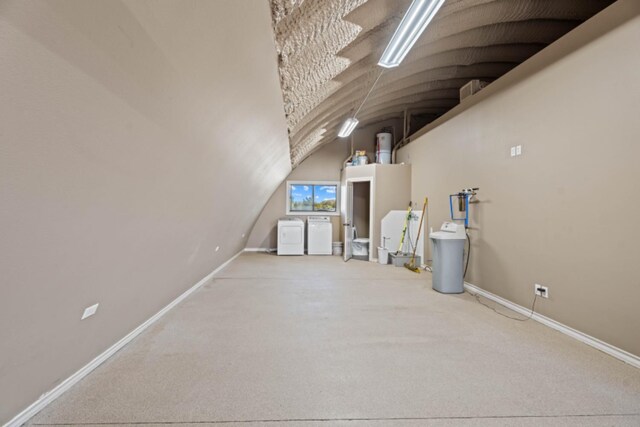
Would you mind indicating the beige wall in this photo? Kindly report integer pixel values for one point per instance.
(135, 137)
(392, 192)
(323, 165)
(563, 213)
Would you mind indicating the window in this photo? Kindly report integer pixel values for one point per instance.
(312, 197)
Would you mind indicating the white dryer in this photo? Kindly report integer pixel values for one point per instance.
(290, 236)
(319, 233)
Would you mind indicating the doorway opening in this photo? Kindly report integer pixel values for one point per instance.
(361, 220)
(358, 224)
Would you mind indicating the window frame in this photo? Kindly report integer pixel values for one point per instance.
(312, 212)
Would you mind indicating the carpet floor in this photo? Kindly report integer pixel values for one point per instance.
(313, 341)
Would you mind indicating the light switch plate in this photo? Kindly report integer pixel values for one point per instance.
(518, 150)
(513, 151)
(90, 311)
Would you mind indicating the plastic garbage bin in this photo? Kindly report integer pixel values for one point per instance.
(448, 258)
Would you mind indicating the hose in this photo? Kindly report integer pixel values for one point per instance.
(468, 255)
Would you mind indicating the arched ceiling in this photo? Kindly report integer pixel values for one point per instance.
(328, 51)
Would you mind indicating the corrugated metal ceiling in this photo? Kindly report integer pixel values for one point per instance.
(328, 51)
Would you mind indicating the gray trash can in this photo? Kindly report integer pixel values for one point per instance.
(448, 259)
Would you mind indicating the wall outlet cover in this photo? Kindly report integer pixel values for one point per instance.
(518, 150)
(541, 291)
(90, 311)
(513, 151)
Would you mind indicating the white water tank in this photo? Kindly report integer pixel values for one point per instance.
(448, 258)
(384, 141)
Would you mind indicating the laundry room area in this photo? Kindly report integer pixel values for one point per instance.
(335, 202)
(326, 168)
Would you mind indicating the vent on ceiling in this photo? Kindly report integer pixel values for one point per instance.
(470, 88)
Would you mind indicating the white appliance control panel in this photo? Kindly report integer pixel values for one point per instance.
(318, 219)
(451, 227)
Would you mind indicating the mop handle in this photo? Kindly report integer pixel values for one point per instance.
(424, 213)
(404, 230)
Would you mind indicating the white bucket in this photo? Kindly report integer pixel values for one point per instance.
(383, 255)
(361, 160)
(337, 248)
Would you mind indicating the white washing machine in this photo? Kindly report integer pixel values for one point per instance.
(290, 236)
(319, 233)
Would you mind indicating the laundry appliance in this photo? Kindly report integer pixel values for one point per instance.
(319, 233)
(290, 236)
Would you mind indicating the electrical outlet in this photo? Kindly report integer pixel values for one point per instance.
(90, 311)
(513, 151)
(541, 291)
(518, 150)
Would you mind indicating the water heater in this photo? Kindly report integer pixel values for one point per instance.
(384, 141)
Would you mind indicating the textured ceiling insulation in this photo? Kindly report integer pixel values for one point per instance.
(328, 51)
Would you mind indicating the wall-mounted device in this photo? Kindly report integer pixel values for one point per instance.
(474, 86)
(463, 197)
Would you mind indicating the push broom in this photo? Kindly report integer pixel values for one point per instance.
(411, 265)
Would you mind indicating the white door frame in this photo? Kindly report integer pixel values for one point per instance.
(372, 193)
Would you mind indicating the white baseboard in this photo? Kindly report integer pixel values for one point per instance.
(267, 250)
(611, 350)
(65, 385)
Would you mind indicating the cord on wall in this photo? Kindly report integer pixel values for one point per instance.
(618, 353)
(533, 307)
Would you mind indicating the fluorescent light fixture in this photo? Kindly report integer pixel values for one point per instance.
(347, 127)
(420, 13)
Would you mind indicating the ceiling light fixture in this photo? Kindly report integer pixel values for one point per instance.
(347, 127)
(418, 16)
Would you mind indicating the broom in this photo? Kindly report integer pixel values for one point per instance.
(411, 265)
